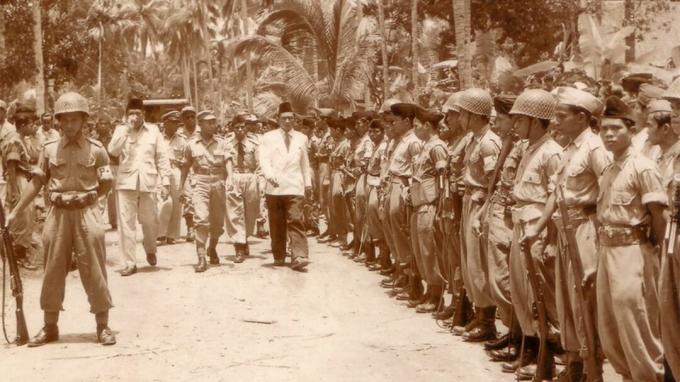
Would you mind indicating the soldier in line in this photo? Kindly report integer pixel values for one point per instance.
(75, 172)
(210, 159)
(376, 236)
(144, 166)
(189, 130)
(170, 211)
(243, 200)
(338, 220)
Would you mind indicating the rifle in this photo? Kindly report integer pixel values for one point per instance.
(593, 368)
(506, 147)
(672, 226)
(539, 312)
(8, 257)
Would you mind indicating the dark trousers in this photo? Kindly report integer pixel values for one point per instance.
(286, 221)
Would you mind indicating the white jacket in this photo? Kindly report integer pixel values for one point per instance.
(289, 168)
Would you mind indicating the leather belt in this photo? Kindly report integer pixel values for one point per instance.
(73, 200)
(211, 172)
(243, 171)
(578, 215)
(622, 236)
(399, 179)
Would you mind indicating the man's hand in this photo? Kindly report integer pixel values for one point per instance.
(530, 235)
(165, 192)
(589, 279)
(273, 181)
(229, 184)
(476, 226)
(308, 192)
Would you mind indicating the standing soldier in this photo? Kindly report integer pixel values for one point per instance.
(46, 131)
(630, 213)
(670, 284)
(75, 172)
(210, 160)
(170, 212)
(582, 161)
(338, 220)
(531, 115)
(376, 132)
(480, 161)
(190, 130)
(324, 174)
(19, 158)
(428, 172)
(144, 160)
(104, 128)
(243, 200)
(6, 129)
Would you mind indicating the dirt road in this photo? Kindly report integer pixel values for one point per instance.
(245, 322)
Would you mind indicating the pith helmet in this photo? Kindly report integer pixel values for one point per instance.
(535, 103)
(71, 102)
(476, 101)
(673, 91)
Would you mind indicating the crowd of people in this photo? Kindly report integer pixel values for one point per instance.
(552, 209)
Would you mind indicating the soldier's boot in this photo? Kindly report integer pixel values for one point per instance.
(390, 278)
(527, 356)
(506, 348)
(238, 250)
(105, 335)
(528, 372)
(261, 233)
(433, 302)
(246, 249)
(415, 294)
(48, 333)
(420, 299)
(346, 246)
(486, 330)
(190, 228)
(370, 253)
(202, 265)
(464, 316)
(212, 254)
(573, 371)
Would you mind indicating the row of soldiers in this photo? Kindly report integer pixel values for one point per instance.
(556, 216)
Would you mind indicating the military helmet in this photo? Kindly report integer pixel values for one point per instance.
(535, 103)
(673, 91)
(476, 101)
(450, 104)
(71, 102)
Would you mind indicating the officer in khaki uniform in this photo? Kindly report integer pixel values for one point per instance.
(75, 172)
(479, 163)
(170, 211)
(210, 160)
(582, 161)
(338, 213)
(143, 167)
(243, 200)
(670, 283)
(376, 132)
(189, 130)
(428, 172)
(630, 210)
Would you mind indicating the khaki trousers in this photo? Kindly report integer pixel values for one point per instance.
(424, 243)
(170, 211)
(498, 251)
(399, 224)
(209, 198)
(669, 297)
(243, 208)
(473, 258)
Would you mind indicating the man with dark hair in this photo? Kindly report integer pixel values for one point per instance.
(630, 212)
(285, 166)
(6, 129)
(337, 206)
(189, 130)
(376, 236)
(170, 211)
(143, 165)
(104, 129)
(46, 131)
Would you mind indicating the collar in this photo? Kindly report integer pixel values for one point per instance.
(284, 132)
(623, 159)
(672, 151)
(79, 141)
(539, 142)
(207, 143)
(578, 141)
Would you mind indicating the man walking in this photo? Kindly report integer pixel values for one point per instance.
(285, 166)
(143, 160)
(170, 212)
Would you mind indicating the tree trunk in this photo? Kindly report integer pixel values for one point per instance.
(383, 51)
(367, 89)
(194, 69)
(2, 31)
(461, 15)
(249, 69)
(414, 44)
(629, 10)
(186, 79)
(39, 62)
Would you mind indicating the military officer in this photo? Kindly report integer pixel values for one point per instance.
(630, 210)
(189, 130)
(210, 160)
(75, 172)
(479, 163)
(104, 129)
(243, 200)
(376, 132)
(170, 211)
(143, 166)
(338, 219)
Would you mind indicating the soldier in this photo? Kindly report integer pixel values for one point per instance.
(143, 160)
(349, 183)
(406, 147)
(531, 116)
(46, 131)
(480, 161)
(171, 209)
(669, 286)
(210, 160)
(322, 156)
(243, 200)
(338, 220)
(19, 158)
(74, 171)
(103, 129)
(374, 224)
(427, 176)
(630, 210)
(6, 129)
(190, 131)
(582, 161)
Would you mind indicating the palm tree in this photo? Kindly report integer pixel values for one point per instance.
(414, 44)
(383, 50)
(330, 27)
(39, 61)
(461, 15)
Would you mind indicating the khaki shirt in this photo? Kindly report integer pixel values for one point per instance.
(583, 161)
(404, 152)
(73, 165)
(363, 152)
(340, 152)
(509, 170)
(456, 151)
(176, 146)
(480, 159)
(376, 162)
(207, 157)
(250, 154)
(431, 159)
(538, 165)
(668, 167)
(20, 150)
(627, 185)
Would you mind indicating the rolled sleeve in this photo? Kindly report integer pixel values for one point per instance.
(651, 187)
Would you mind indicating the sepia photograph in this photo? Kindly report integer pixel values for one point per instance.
(340, 190)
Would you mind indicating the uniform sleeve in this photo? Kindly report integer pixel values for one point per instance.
(551, 165)
(599, 160)
(12, 150)
(162, 161)
(414, 149)
(101, 163)
(120, 135)
(42, 171)
(651, 187)
(489, 151)
(439, 157)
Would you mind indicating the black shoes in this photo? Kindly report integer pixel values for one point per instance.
(129, 271)
(214, 259)
(201, 266)
(279, 262)
(151, 259)
(299, 264)
(49, 333)
(105, 336)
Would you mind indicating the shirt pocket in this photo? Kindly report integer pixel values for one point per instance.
(576, 177)
(58, 168)
(622, 198)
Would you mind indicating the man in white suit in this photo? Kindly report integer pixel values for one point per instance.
(143, 164)
(285, 166)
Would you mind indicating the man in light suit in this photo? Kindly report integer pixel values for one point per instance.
(143, 163)
(285, 166)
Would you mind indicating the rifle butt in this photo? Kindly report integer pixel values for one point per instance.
(22, 330)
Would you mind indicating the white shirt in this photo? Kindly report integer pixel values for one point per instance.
(288, 167)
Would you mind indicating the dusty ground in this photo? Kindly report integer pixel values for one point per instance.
(245, 322)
